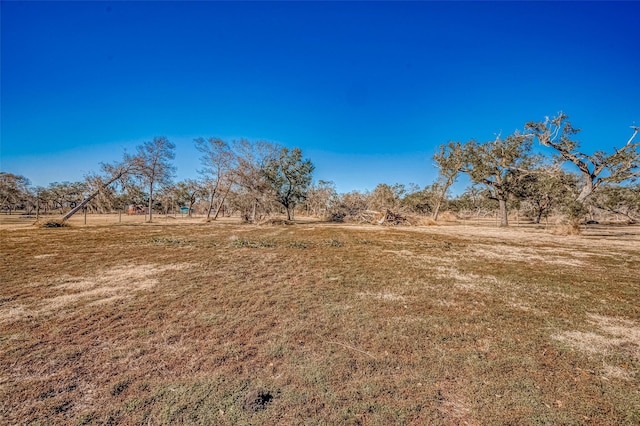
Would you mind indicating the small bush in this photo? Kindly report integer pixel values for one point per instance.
(120, 387)
(299, 244)
(52, 224)
(256, 400)
(166, 240)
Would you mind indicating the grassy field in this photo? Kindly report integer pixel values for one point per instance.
(229, 324)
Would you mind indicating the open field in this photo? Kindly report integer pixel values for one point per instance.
(314, 323)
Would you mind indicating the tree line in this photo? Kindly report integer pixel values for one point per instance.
(257, 179)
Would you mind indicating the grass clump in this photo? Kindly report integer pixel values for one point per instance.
(570, 228)
(120, 386)
(332, 242)
(167, 241)
(242, 242)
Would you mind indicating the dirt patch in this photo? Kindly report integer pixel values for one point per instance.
(385, 295)
(465, 281)
(523, 254)
(400, 252)
(44, 256)
(452, 404)
(108, 286)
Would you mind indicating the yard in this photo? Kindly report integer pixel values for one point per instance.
(316, 323)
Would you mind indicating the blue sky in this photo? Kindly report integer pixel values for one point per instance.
(367, 90)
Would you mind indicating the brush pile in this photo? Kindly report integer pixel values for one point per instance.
(391, 218)
(385, 218)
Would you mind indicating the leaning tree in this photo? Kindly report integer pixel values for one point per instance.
(450, 160)
(597, 169)
(219, 162)
(112, 173)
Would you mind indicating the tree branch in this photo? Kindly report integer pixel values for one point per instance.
(635, 132)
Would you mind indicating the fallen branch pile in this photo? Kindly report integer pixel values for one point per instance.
(391, 218)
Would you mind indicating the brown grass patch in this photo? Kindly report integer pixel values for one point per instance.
(567, 229)
(611, 336)
(384, 296)
(183, 322)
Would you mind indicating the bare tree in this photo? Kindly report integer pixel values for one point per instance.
(598, 169)
(320, 197)
(218, 160)
(152, 165)
(254, 192)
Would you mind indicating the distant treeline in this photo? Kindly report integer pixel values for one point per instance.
(258, 179)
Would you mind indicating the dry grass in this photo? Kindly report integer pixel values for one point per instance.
(220, 323)
(568, 229)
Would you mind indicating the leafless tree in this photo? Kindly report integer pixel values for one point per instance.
(320, 197)
(219, 162)
(254, 191)
(152, 165)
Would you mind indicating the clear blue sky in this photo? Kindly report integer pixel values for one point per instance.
(366, 89)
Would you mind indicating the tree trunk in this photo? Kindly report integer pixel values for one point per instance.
(91, 197)
(253, 213)
(224, 197)
(504, 220)
(436, 210)
(150, 202)
(587, 190)
(538, 217)
(191, 203)
(213, 194)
